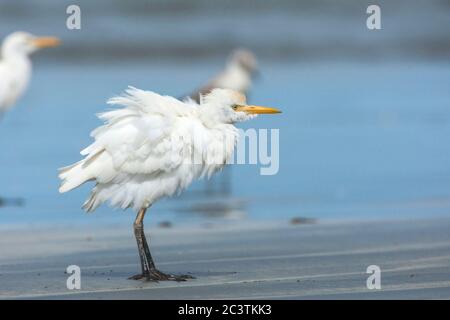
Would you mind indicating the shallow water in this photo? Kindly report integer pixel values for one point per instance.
(366, 121)
(356, 141)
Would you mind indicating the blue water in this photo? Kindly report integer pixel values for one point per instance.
(357, 140)
(366, 114)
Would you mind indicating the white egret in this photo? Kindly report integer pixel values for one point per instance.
(154, 147)
(15, 64)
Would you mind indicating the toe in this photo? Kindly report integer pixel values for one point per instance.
(136, 277)
(156, 275)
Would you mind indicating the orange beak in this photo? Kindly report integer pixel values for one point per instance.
(257, 110)
(46, 42)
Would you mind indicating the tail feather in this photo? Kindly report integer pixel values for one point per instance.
(92, 202)
(85, 170)
(73, 176)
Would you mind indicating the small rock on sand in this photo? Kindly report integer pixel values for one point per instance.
(303, 220)
(165, 224)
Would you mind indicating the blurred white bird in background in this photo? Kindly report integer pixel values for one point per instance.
(238, 74)
(15, 65)
(154, 147)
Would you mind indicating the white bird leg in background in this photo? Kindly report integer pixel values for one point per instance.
(15, 65)
(154, 147)
(238, 74)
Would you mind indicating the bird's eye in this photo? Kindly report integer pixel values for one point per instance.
(234, 107)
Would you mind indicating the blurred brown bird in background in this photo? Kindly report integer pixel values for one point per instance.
(237, 75)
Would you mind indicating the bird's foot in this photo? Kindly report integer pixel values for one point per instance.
(156, 275)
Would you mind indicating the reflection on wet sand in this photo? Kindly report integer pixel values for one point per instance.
(219, 208)
(12, 202)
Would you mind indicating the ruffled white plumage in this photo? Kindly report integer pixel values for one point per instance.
(153, 147)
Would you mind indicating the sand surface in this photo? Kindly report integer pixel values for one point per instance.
(242, 261)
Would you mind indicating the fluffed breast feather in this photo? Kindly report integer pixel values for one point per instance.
(143, 143)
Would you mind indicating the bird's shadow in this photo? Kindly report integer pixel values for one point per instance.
(11, 202)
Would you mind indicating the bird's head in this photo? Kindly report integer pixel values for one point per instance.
(245, 60)
(229, 106)
(23, 43)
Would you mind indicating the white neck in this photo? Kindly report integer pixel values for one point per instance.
(8, 52)
(19, 63)
(16, 73)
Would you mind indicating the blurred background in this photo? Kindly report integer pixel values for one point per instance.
(366, 122)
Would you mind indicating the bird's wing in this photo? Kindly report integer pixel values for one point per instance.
(149, 135)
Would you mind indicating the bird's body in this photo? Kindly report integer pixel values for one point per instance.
(15, 65)
(156, 146)
(234, 77)
(147, 150)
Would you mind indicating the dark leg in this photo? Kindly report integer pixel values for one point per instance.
(149, 271)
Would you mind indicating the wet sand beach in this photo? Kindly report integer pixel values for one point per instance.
(327, 260)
